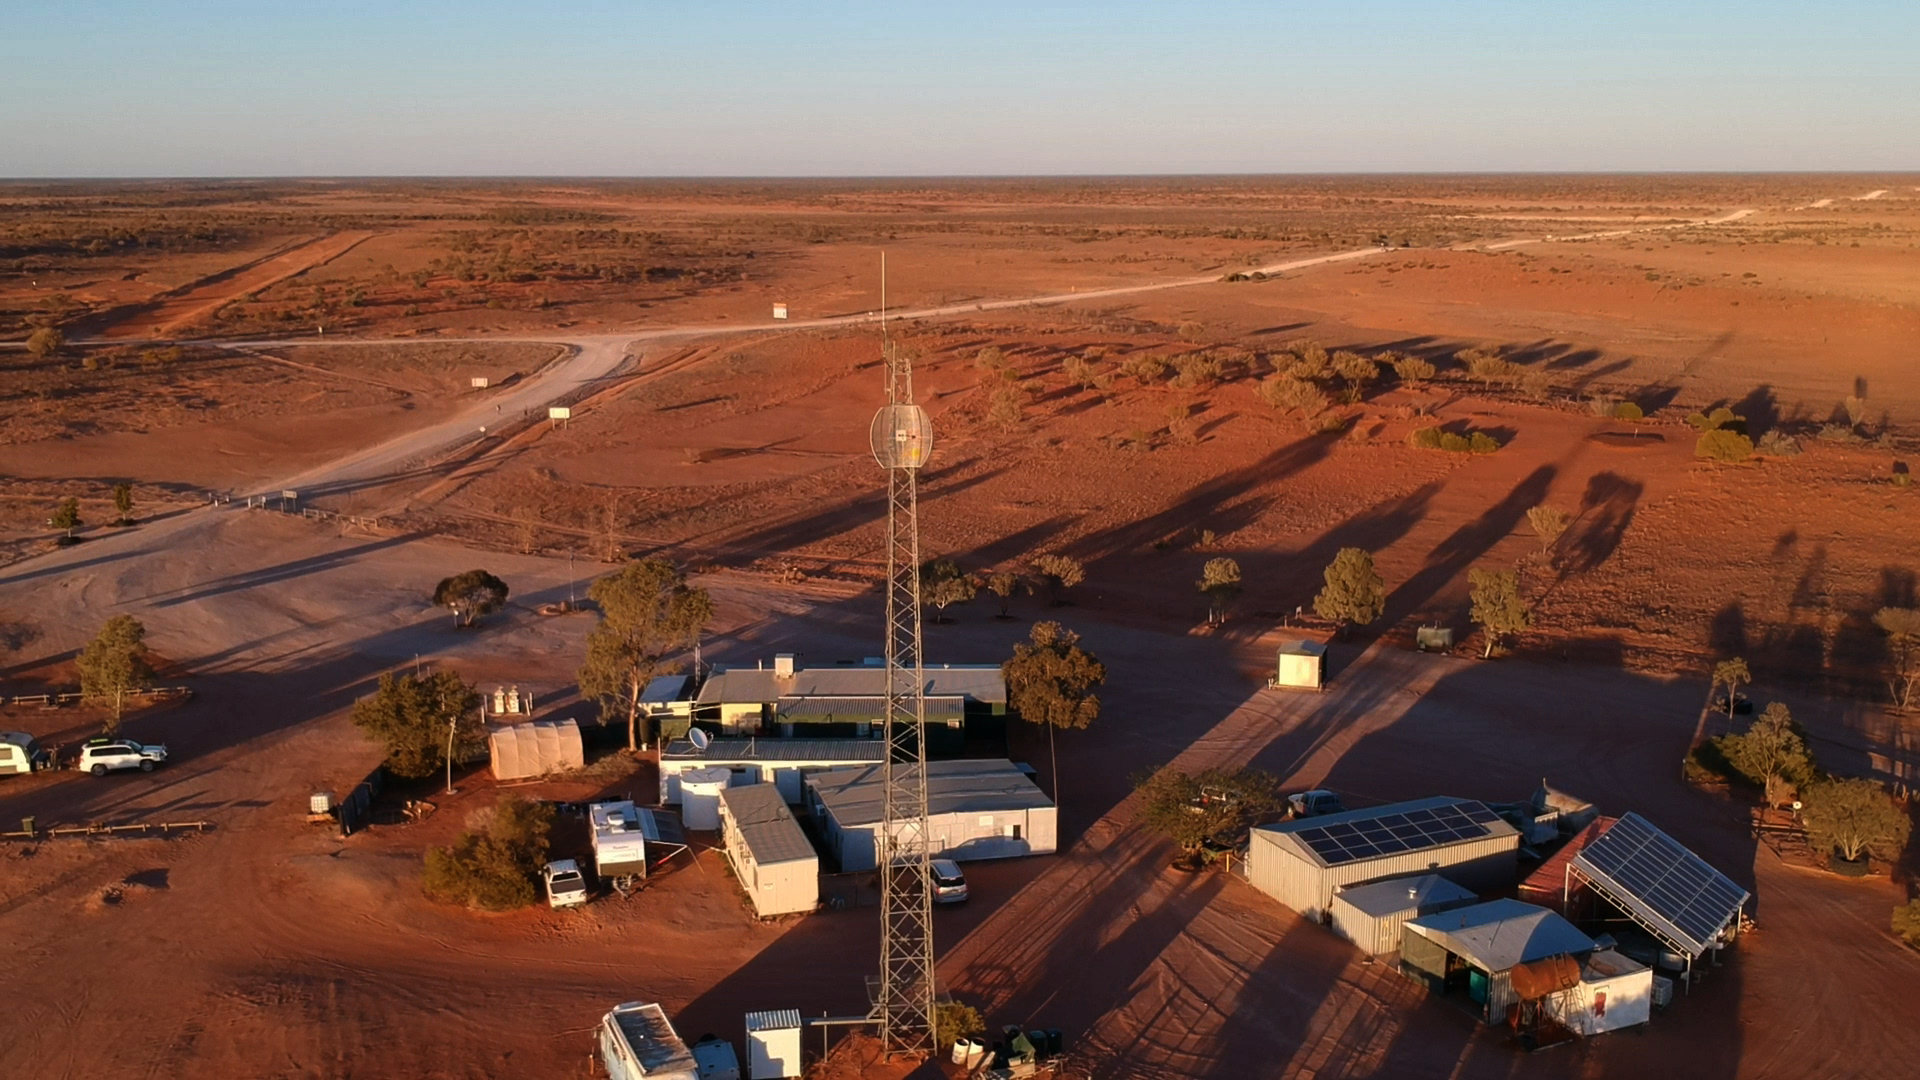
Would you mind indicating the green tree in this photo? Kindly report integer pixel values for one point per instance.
(943, 582)
(1002, 584)
(1190, 810)
(123, 502)
(1855, 818)
(66, 516)
(1902, 627)
(413, 716)
(470, 595)
(45, 342)
(1220, 580)
(1498, 605)
(494, 867)
(647, 611)
(1354, 592)
(1051, 681)
(114, 664)
(1486, 367)
(1549, 524)
(1773, 753)
(953, 1021)
(1732, 674)
(1060, 572)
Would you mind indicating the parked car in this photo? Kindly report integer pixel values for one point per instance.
(102, 756)
(566, 886)
(21, 753)
(1314, 803)
(949, 884)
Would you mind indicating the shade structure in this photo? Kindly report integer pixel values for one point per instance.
(1661, 885)
(540, 748)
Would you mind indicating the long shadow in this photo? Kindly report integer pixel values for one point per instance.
(1452, 556)
(65, 568)
(276, 574)
(1606, 510)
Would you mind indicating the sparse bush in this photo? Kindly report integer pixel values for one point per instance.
(1906, 923)
(1426, 438)
(1856, 409)
(1007, 407)
(66, 516)
(1549, 524)
(1147, 369)
(1220, 581)
(1536, 384)
(953, 1021)
(1772, 754)
(1720, 419)
(1627, 410)
(1724, 446)
(1486, 367)
(45, 342)
(1454, 444)
(1081, 373)
(1309, 362)
(1837, 433)
(1902, 627)
(1060, 572)
(1356, 371)
(493, 868)
(1412, 370)
(1482, 443)
(1777, 444)
(1197, 370)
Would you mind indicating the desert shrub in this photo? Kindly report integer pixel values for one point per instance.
(1482, 443)
(1723, 445)
(1356, 371)
(1309, 362)
(1197, 370)
(1412, 370)
(1427, 438)
(1080, 372)
(1535, 384)
(990, 359)
(1454, 444)
(1192, 331)
(1906, 923)
(1720, 419)
(953, 1021)
(1837, 433)
(1601, 405)
(493, 868)
(1007, 407)
(1856, 409)
(1777, 444)
(1627, 410)
(1146, 369)
(1486, 367)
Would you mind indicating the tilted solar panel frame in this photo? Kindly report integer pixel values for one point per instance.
(1666, 888)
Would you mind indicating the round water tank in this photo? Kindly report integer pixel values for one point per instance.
(700, 796)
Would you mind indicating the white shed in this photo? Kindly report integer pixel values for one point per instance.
(773, 1044)
(775, 862)
(976, 810)
(1614, 992)
(1371, 915)
(1300, 863)
(1473, 950)
(1301, 665)
(540, 748)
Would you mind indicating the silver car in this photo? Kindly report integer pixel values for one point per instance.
(102, 756)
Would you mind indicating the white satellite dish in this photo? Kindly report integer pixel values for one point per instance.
(700, 739)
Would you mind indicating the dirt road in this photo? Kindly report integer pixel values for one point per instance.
(183, 308)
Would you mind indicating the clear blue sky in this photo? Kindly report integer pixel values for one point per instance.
(547, 87)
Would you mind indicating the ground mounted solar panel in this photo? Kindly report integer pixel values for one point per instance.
(1665, 888)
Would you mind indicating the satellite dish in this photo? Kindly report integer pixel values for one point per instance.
(902, 437)
(701, 740)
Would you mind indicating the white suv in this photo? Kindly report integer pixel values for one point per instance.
(102, 756)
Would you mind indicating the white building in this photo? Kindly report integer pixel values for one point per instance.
(775, 862)
(1471, 951)
(976, 810)
(1614, 992)
(1371, 915)
(1302, 862)
(783, 763)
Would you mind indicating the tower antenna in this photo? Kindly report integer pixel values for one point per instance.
(902, 440)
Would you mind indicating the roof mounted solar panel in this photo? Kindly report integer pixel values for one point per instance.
(1661, 885)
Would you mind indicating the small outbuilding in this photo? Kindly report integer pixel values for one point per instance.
(1472, 951)
(1614, 992)
(1371, 915)
(1301, 665)
(1302, 862)
(977, 809)
(540, 748)
(776, 864)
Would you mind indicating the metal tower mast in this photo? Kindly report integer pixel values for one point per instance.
(903, 1003)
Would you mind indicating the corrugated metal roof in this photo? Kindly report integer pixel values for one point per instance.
(824, 751)
(664, 688)
(1498, 934)
(860, 708)
(739, 686)
(1395, 895)
(773, 1020)
(653, 1041)
(854, 796)
(766, 825)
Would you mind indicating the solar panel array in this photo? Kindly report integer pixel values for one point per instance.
(1666, 888)
(1396, 833)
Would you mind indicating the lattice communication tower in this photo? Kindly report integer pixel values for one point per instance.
(903, 1000)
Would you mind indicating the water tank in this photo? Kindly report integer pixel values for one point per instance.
(700, 796)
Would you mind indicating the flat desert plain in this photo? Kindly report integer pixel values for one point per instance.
(1113, 370)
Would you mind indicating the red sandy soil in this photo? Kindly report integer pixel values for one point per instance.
(265, 948)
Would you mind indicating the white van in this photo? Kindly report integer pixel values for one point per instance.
(20, 753)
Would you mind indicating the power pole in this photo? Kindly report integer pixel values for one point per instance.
(903, 1004)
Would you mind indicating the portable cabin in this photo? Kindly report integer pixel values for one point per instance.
(785, 763)
(977, 809)
(771, 855)
(1301, 665)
